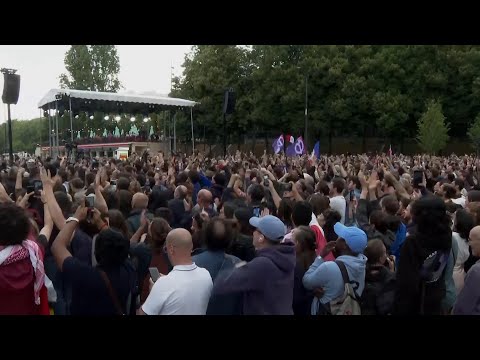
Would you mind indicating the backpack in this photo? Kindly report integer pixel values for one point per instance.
(348, 303)
(432, 271)
(378, 296)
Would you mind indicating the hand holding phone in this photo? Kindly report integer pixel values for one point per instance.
(154, 273)
(265, 181)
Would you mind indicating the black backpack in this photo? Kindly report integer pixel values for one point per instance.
(432, 271)
(378, 296)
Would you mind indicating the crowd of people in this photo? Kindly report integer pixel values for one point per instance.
(157, 234)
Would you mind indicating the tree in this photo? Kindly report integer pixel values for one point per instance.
(474, 133)
(432, 129)
(208, 71)
(91, 67)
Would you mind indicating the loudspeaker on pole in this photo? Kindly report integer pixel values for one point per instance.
(11, 88)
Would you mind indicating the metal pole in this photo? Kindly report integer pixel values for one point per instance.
(175, 132)
(71, 118)
(5, 142)
(193, 138)
(50, 142)
(40, 135)
(56, 121)
(224, 135)
(306, 113)
(10, 140)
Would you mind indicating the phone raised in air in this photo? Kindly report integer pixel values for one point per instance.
(154, 273)
(265, 181)
(37, 187)
(90, 201)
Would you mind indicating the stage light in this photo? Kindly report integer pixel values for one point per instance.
(132, 119)
(118, 117)
(146, 119)
(91, 117)
(77, 116)
(106, 117)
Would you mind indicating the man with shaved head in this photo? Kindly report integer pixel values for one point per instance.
(139, 203)
(468, 300)
(186, 289)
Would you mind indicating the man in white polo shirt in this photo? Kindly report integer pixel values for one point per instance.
(186, 289)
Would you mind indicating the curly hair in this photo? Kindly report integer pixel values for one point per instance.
(429, 213)
(159, 230)
(14, 223)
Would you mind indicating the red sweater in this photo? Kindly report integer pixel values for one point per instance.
(321, 242)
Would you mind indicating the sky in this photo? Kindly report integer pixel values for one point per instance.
(142, 68)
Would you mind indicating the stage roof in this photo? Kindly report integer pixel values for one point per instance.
(129, 103)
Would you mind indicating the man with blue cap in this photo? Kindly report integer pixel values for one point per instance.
(326, 277)
(267, 281)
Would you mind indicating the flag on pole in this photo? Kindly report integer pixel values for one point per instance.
(291, 150)
(316, 149)
(278, 144)
(300, 146)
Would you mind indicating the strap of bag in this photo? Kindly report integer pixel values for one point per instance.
(111, 292)
(346, 278)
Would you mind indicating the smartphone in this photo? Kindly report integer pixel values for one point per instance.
(90, 201)
(288, 187)
(265, 181)
(417, 178)
(30, 188)
(154, 273)
(37, 187)
(256, 211)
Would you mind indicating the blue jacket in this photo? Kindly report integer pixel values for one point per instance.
(400, 237)
(217, 262)
(326, 275)
(266, 282)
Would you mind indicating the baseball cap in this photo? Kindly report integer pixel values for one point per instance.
(355, 238)
(270, 226)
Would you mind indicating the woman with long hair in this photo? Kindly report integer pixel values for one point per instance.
(421, 275)
(157, 233)
(305, 246)
(463, 223)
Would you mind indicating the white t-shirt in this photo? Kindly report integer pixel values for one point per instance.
(339, 204)
(184, 291)
(459, 201)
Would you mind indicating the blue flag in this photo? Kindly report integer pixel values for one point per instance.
(291, 150)
(316, 149)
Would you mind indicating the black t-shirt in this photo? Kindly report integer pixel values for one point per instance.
(90, 295)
